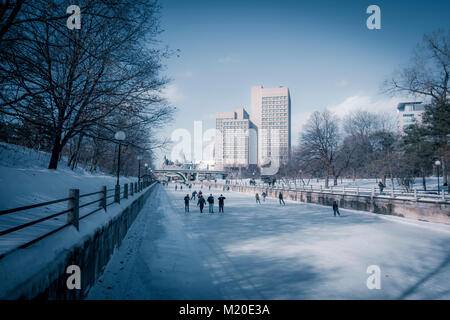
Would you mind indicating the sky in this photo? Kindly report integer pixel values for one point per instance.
(321, 50)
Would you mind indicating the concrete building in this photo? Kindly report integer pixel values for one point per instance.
(409, 113)
(236, 140)
(271, 114)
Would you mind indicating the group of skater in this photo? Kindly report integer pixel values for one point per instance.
(264, 195)
(201, 202)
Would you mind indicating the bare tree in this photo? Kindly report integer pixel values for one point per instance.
(70, 81)
(320, 141)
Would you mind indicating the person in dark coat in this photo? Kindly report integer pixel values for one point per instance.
(381, 186)
(257, 198)
(280, 197)
(211, 203)
(193, 194)
(336, 208)
(201, 202)
(186, 203)
(221, 202)
(264, 195)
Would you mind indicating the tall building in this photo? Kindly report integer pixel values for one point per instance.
(271, 113)
(236, 140)
(409, 113)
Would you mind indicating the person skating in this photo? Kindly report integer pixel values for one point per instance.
(280, 197)
(381, 186)
(211, 203)
(336, 208)
(264, 195)
(201, 202)
(181, 187)
(186, 203)
(257, 198)
(176, 187)
(221, 202)
(199, 194)
(193, 195)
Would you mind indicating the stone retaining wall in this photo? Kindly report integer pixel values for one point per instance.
(434, 211)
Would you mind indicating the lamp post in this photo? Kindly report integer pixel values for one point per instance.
(146, 171)
(139, 157)
(438, 163)
(119, 136)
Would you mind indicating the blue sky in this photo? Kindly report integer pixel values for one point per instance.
(321, 50)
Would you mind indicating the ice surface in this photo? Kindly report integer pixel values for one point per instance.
(252, 251)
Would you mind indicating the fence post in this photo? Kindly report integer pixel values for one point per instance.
(343, 190)
(415, 194)
(74, 207)
(125, 190)
(117, 193)
(131, 189)
(443, 195)
(135, 188)
(103, 198)
(372, 193)
(392, 192)
(320, 188)
(357, 190)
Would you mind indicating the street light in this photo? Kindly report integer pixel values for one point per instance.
(438, 163)
(146, 171)
(119, 136)
(139, 157)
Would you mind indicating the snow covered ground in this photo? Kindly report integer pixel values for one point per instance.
(252, 251)
(25, 180)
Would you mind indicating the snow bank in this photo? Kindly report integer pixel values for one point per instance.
(25, 180)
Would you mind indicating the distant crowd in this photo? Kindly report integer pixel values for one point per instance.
(201, 201)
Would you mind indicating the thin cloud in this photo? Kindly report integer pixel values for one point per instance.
(226, 59)
(342, 83)
(173, 94)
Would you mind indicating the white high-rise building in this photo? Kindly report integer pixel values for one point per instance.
(235, 145)
(271, 114)
(408, 114)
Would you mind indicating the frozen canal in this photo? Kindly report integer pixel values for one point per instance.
(265, 251)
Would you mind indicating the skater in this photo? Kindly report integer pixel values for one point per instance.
(181, 187)
(201, 202)
(264, 195)
(186, 203)
(211, 203)
(381, 186)
(257, 198)
(193, 195)
(221, 199)
(209, 187)
(199, 194)
(280, 197)
(336, 208)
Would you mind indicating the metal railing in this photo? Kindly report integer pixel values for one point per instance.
(74, 204)
(414, 195)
